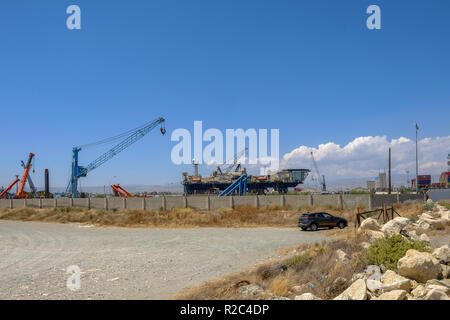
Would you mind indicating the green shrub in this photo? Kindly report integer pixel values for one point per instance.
(300, 259)
(388, 251)
(429, 206)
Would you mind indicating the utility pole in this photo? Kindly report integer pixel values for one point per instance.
(417, 160)
(407, 179)
(389, 173)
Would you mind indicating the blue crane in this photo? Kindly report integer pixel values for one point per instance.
(130, 137)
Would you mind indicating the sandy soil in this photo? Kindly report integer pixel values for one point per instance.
(128, 263)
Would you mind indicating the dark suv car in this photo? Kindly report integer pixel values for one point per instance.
(316, 220)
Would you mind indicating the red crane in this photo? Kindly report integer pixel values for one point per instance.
(9, 188)
(120, 190)
(20, 192)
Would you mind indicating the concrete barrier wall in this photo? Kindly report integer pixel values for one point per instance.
(245, 201)
(98, 203)
(5, 203)
(326, 200)
(135, 203)
(219, 203)
(200, 203)
(270, 201)
(34, 203)
(18, 203)
(215, 203)
(48, 203)
(154, 203)
(350, 201)
(83, 203)
(295, 202)
(116, 203)
(175, 202)
(63, 203)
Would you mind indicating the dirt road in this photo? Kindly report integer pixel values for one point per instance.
(126, 263)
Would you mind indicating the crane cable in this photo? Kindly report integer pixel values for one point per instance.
(111, 139)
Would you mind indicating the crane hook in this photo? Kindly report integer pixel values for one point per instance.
(163, 130)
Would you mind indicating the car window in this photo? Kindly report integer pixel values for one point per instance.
(319, 215)
(326, 215)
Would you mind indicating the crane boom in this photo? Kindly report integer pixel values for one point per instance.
(4, 192)
(20, 192)
(225, 169)
(79, 171)
(30, 182)
(121, 190)
(320, 178)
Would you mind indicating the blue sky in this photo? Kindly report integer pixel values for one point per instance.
(310, 68)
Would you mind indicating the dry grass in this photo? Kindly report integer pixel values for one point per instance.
(246, 217)
(239, 217)
(312, 267)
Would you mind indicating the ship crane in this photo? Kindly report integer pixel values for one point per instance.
(130, 137)
(320, 179)
(226, 169)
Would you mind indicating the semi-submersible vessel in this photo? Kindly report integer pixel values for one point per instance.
(220, 179)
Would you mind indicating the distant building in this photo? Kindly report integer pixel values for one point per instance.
(444, 180)
(371, 185)
(381, 182)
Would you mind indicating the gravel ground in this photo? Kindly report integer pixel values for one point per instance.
(127, 263)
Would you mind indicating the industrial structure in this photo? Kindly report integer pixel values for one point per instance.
(21, 194)
(120, 191)
(320, 178)
(233, 178)
(128, 137)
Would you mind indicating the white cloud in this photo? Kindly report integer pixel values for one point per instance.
(366, 156)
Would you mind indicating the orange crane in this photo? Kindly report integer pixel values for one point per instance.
(9, 188)
(26, 172)
(120, 190)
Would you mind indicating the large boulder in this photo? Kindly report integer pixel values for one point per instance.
(419, 291)
(435, 294)
(433, 223)
(441, 285)
(423, 237)
(393, 295)
(390, 277)
(395, 226)
(445, 271)
(373, 285)
(399, 285)
(420, 266)
(373, 236)
(369, 224)
(307, 296)
(442, 254)
(357, 291)
(392, 281)
(422, 227)
(373, 272)
(373, 275)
